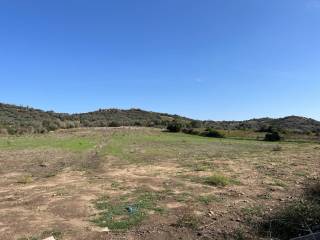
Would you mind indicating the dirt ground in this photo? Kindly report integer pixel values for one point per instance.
(138, 183)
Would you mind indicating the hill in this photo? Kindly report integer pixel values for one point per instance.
(18, 119)
(293, 124)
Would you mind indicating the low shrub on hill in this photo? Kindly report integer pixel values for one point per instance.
(209, 132)
(190, 131)
(174, 126)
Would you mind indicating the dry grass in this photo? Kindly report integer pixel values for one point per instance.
(179, 186)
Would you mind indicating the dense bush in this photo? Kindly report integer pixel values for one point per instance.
(212, 133)
(114, 124)
(272, 137)
(174, 126)
(190, 131)
(297, 218)
(195, 124)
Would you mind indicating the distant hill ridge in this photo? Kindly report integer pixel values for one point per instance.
(19, 119)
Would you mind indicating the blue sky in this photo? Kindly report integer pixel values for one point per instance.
(206, 59)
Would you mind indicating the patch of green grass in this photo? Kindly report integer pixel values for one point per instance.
(279, 183)
(253, 211)
(207, 199)
(46, 141)
(115, 185)
(128, 211)
(183, 197)
(219, 180)
(300, 173)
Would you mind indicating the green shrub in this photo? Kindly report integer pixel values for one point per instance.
(190, 131)
(174, 126)
(272, 137)
(212, 133)
(114, 124)
(138, 124)
(195, 124)
(295, 219)
(217, 180)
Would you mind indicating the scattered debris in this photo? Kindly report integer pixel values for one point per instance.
(131, 209)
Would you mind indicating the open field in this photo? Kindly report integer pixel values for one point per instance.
(142, 183)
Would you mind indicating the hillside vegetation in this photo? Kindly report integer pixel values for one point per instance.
(18, 120)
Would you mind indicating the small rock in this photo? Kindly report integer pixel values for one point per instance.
(49, 238)
(106, 229)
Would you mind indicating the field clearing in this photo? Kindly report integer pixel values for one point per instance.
(142, 183)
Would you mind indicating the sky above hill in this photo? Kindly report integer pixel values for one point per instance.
(206, 59)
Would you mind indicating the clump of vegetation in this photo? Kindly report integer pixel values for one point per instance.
(218, 180)
(209, 132)
(190, 131)
(207, 199)
(114, 124)
(25, 179)
(295, 219)
(272, 137)
(174, 126)
(125, 212)
(313, 191)
(195, 124)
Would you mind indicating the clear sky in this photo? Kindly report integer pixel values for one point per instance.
(206, 59)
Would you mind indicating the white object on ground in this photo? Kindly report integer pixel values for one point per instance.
(50, 238)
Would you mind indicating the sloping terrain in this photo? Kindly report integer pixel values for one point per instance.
(17, 119)
(141, 183)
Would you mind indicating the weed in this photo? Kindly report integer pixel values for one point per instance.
(279, 183)
(207, 199)
(25, 179)
(183, 197)
(219, 180)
